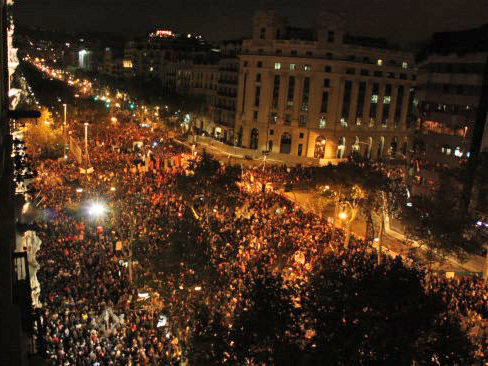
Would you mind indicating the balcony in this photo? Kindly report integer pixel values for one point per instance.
(228, 82)
(225, 107)
(226, 94)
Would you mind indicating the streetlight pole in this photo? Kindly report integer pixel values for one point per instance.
(64, 130)
(86, 149)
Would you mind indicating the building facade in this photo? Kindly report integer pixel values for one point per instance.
(453, 70)
(319, 93)
(167, 56)
(450, 79)
(224, 106)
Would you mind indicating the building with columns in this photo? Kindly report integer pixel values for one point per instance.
(320, 93)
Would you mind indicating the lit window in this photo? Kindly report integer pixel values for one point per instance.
(322, 122)
(292, 66)
(343, 122)
(277, 65)
(386, 99)
(151, 68)
(307, 67)
(374, 98)
(458, 152)
(404, 65)
(380, 62)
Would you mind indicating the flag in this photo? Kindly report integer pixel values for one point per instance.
(75, 149)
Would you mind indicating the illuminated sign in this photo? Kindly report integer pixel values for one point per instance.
(162, 33)
(127, 64)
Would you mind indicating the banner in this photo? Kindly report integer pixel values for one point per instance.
(75, 149)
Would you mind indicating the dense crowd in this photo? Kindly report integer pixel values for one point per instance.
(94, 315)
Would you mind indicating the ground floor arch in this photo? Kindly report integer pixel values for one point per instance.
(319, 150)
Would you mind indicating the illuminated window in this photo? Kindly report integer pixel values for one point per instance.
(380, 62)
(322, 122)
(277, 66)
(307, 67)
(374, 98)
(292, 66)
(404, 65)
(386, 99)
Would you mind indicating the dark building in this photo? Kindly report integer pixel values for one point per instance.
(16, 313)
(451, 74)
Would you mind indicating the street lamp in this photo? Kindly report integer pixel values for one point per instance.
(64, 131)
(343, 215)
(96, 209)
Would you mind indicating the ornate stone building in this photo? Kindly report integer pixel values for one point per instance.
(320, 93)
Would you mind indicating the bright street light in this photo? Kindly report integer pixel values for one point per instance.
(96, 209)
(342, 215)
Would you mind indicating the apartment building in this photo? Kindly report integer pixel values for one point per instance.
(228, 79)
(167, 56)
(16, 312)
(450, 78)
(320, 93)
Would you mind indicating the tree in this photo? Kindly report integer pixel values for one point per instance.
(207, 173)
(439, 225)
(355, 189)
(364, 314)
(265, 324)
(42, 138)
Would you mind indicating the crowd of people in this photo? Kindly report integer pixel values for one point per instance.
(95, 310)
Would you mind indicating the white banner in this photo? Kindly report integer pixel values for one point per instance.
(75, 149)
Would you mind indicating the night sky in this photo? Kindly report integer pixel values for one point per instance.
(227, 19)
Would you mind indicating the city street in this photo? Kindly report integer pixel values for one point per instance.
(160, 242)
